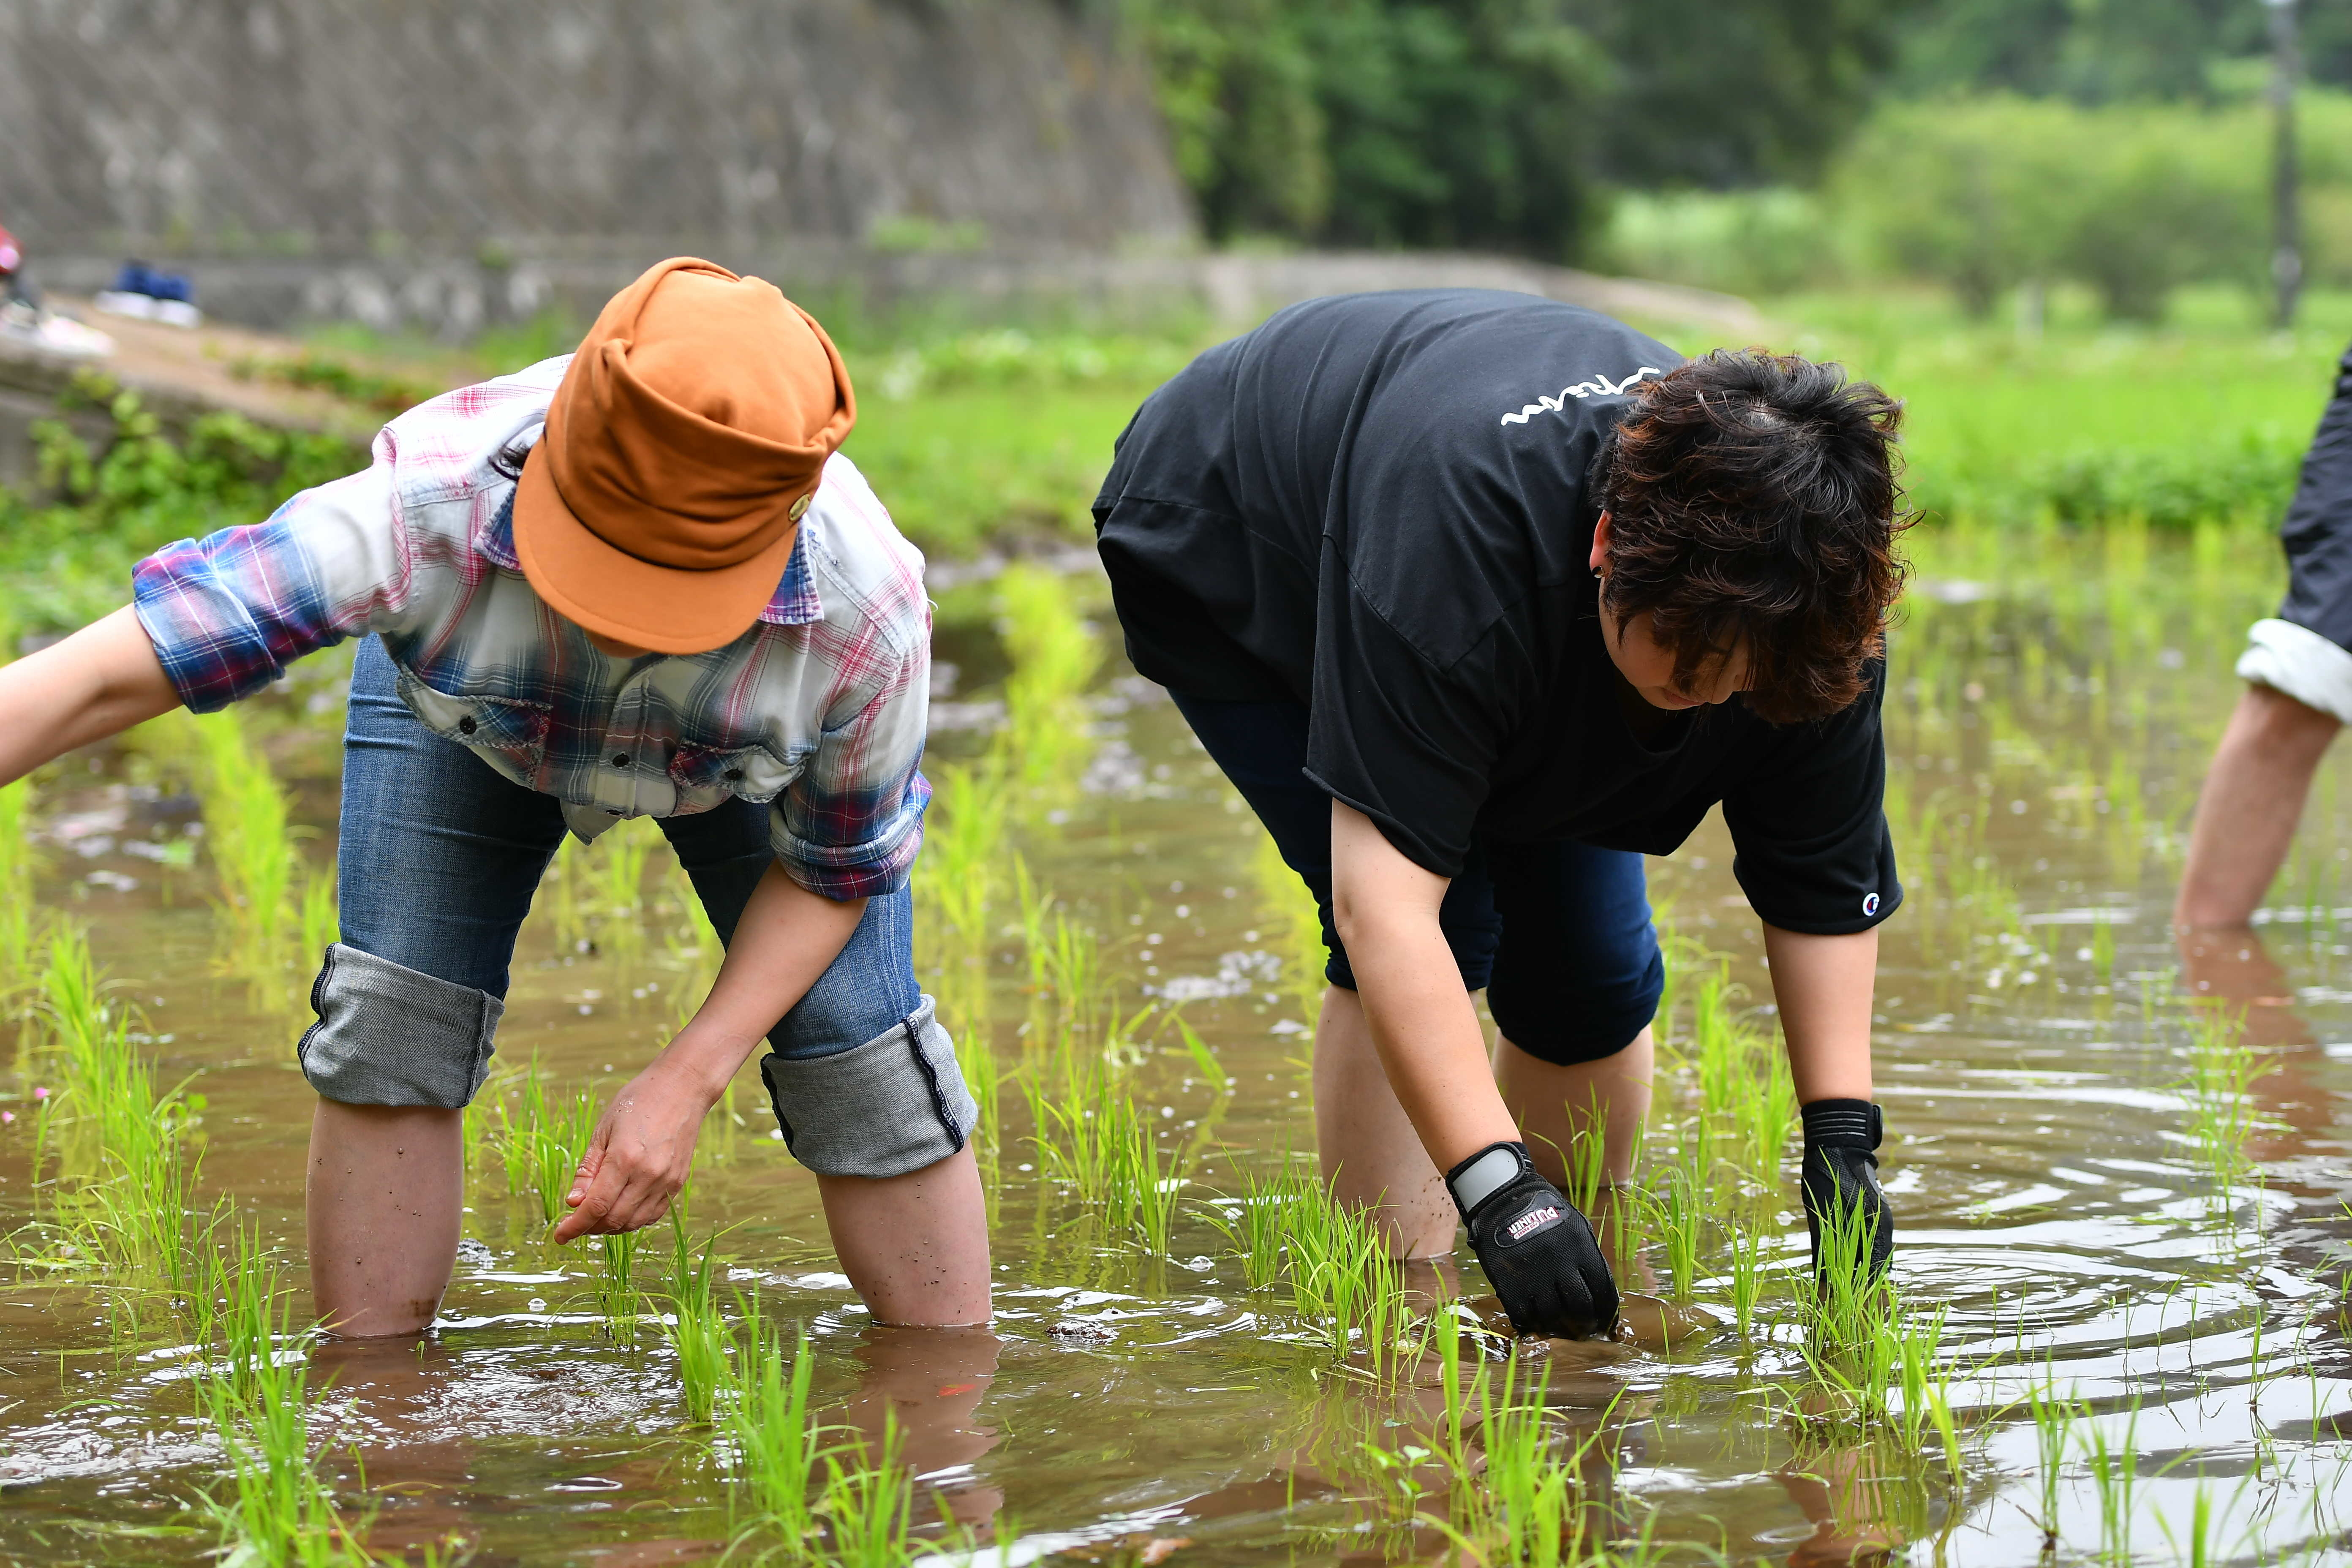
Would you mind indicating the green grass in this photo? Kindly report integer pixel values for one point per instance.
(963, 465)
(2219, 1087)
(1054, 655)
(19, 916)
(697, 1334)
(273, 1508)
(541, 1139)
(248, 836)
(126, 1177)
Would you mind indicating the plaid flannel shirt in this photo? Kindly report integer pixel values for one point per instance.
(818, 710)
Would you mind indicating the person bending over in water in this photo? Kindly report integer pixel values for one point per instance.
(2298, 675)
(634, 582)
(1475, 598)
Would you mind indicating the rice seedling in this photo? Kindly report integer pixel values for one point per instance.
(690, 947)
(2053, 1426)
(2219, 1087)
(616, 1285)
(1073, 974)
(1848, 1307)
(1343, 1276)
(1294, 928)
(1918, 1338)
(2199, 1549)
(2102, 947)
(621, 853)
(1258, 1220)
(775, 1449)
(1054, 655)
(122, 1148)
(957, 880)
(1097, 1139)
(697, 1333)
(540, 1142)
(1141, 1189)
(19, 918)
(1679, 1219)
(563, 887)
(558, 1147)
(2114, 1469)
(252, 847)
(276, 1510)
(868, 1503)
(1745, 1247)
(319, 922)
(1586, 1160)
(1522, 1501)
(1766, 1118)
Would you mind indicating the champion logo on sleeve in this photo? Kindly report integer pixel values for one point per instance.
(1599, 387)
(1869, 904)
(1534, 1220)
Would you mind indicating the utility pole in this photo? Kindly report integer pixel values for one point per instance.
(2287, 218)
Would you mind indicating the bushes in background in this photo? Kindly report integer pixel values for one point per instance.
(1984, 193)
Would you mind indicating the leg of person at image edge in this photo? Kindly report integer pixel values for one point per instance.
(1559, 936)
(2298, 694)
(439, 857)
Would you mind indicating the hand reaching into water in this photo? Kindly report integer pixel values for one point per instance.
(1842, 1199)
(1537, 1248)
(640, 1156)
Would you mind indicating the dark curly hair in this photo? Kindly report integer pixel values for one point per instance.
(1753, 502)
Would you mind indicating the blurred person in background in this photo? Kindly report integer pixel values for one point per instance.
(2298, 672)
(1477, 597)
(635, 581)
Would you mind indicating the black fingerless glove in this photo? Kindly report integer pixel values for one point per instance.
(1841, 1179)
(1535, 1247)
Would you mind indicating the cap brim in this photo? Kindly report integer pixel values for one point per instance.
(661, 609)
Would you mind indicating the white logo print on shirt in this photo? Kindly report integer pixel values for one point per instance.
(1599, 387)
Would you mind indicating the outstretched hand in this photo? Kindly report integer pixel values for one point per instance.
(638, 1159)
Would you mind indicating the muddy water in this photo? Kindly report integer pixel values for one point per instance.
(2045, 741)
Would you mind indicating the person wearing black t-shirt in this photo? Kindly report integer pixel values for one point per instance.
(1477, 598)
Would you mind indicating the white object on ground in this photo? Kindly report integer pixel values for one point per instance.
(61, 336)
(2302, 664)
(146, 308)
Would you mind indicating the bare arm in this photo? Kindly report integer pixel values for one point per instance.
(643, 1148)
(98, 682)
(1823, 986)
(1423, 1024)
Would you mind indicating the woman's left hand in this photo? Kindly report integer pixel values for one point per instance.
(641, 1154)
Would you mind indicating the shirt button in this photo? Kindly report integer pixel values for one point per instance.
(734, 775)
(466, 726)
(620, 759)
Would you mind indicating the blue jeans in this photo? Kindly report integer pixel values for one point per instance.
(1558, 935)
(439, 858)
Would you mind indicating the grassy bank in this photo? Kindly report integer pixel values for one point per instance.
(981, 436)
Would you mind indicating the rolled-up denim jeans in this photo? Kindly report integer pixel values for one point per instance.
(439, 857)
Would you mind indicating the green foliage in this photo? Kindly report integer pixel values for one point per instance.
(2131, 200)
(1493, 125)
(65, 552)
(318, 371)
(1369, 121)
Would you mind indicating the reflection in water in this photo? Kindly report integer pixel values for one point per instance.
(929, 1384)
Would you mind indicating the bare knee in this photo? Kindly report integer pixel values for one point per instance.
(2271, 721)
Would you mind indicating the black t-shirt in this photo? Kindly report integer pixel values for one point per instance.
(1380, 506)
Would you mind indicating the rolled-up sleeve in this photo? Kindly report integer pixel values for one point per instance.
(229, 612)
(850, 825)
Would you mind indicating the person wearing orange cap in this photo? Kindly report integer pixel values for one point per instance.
(635, 581)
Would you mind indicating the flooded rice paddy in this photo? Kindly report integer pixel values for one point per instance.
(2120, 1165)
